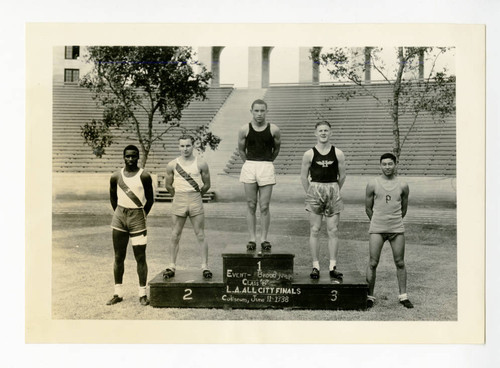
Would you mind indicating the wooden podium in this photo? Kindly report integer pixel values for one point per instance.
(258, 280)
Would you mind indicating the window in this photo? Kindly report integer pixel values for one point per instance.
(71, 52)
(71, 75)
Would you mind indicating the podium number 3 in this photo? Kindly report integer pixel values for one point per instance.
(334, 295)
(187, 296)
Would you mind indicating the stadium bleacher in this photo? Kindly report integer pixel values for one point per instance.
(361, 128)
(73, 107)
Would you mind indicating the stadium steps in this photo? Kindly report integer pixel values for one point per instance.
(73, 106)
(360, 127)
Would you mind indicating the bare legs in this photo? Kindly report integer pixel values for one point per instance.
(142, 266)
(120, 242)
(332, 227)
(398, 253)
(198, 223)
(178, 226)
(315, 227)
(332, 224)
(263, 194)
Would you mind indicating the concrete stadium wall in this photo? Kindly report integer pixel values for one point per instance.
(432, 191)
(438, 191)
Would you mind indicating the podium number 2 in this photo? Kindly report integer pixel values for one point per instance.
(187, 296)
(334, 295)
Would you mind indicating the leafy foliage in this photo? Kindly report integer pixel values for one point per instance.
(411, 93)
(97, 136)
(143, 92)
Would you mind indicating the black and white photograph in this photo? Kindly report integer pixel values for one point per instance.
(326, 179)
(292, 180)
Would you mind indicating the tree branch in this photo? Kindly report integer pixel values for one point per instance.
(131, 114)
(410, 129)
(160, 135)
(130, 81)
(380, 71)
(434, 65)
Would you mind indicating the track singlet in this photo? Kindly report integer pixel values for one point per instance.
(187, 178)
(259, 145)
(387, 217)
(130, 190)
(324, 168)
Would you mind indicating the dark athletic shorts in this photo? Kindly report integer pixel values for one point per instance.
(388, 236)
(132, 221)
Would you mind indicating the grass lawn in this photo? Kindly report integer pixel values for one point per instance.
(82, 269)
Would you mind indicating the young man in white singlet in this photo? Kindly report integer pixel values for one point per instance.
(324, 165)
(131, 195)
(386, 203)
(188, 178)
(258, 144)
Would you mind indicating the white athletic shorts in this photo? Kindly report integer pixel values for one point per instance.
(260, 172)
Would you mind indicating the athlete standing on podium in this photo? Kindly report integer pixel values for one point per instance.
(258, 144)
(187, 179)
(131, 195)
(325, 165)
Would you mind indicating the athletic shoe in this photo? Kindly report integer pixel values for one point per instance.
(115, 299)
(336, 274)
(207, 274)
(168, 273)
(251, 245)
(406, 303)
(369, 303)
(314, 274)
(265, 245)
(144, 300)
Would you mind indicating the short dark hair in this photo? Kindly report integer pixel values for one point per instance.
(131, 147)
(259, 102)
(324, 122)
(388, 155)
(186, 136)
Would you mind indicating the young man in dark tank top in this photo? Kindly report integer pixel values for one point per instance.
(258, 144)
(324, 165)
(386, 204)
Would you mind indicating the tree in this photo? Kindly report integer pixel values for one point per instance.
(143, 91)
(411, 92)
